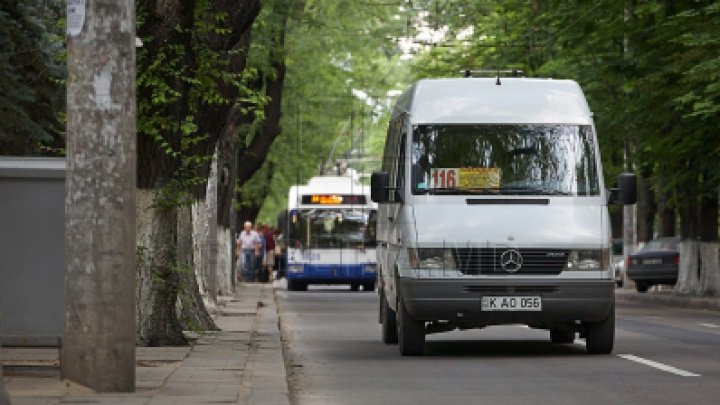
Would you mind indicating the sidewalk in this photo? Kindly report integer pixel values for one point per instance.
(242, 364)
(669, 298)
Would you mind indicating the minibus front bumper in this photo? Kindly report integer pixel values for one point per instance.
(460, 301)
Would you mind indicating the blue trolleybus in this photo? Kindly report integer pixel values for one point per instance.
(331, 234)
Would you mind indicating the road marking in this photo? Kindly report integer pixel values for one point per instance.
(659, 366)
(709, 325)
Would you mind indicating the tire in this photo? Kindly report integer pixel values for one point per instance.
(641, 287)
(411, 333)
(559, 336)
(388, 320)
(368, 286)
(619, 283)
(297, 285)
(354, 286)
(601, 335)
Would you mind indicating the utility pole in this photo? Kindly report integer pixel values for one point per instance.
(98, 347)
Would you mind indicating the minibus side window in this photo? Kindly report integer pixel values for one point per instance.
(398, 195)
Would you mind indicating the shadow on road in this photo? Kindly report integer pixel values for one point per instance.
(500, 348)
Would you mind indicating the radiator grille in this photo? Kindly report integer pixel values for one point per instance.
(487, 261)
(520, 289)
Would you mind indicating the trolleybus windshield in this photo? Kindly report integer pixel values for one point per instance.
(332, 228)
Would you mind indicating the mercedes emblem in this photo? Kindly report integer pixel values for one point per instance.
(511, 260)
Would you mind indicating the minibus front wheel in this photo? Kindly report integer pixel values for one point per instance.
(388, 319)
(601, 335)
(411, 333)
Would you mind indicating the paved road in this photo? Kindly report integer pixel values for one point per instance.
(662, 356)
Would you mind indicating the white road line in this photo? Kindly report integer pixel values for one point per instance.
(659, 366)
(709, 325)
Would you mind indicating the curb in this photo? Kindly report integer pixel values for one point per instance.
(672, 300)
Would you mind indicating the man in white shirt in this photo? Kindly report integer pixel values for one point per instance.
(248, 247)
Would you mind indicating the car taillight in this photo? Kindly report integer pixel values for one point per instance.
(629, 261)
(676, 259)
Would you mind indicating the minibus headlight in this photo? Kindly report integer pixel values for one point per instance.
(295, 268)
(369, 268)
(431, 258)
(589, 260)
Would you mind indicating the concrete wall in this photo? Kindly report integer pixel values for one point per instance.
(32, 253)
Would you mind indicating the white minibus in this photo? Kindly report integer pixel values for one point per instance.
(492, 210)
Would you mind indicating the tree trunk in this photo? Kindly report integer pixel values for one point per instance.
(647, 208)
(191, 307)
(250, 207)
(225, 255)
(210, 253)
(709, 270)
(158, 275)
(199, 219)
(253, 157)
(629, 239)
(708, 229)
(688, 282)
(667, 211)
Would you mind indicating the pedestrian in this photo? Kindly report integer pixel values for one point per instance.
(248, 247)
(269, 257)
(259, 269)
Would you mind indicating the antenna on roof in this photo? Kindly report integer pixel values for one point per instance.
(497, 73)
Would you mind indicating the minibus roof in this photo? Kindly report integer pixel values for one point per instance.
(483, 101)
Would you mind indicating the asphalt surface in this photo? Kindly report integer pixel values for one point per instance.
(334, 355)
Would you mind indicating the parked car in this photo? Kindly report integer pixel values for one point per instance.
(617, 262)
(657, 262)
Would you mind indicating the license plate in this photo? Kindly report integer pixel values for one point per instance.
(652, 261)
(513, 303)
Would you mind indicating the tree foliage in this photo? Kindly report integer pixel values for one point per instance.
(32, 93)
(341, 60)
(649, 69)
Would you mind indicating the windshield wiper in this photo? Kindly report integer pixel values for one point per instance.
(464, 191)
(524, 190)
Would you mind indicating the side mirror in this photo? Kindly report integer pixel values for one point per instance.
(626, 193)
(379, 185)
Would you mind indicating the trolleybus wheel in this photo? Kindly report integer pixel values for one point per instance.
(297, 285)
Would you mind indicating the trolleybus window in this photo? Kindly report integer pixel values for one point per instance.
(332, 228)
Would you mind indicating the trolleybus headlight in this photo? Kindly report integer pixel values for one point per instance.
(369, 268)
(589, 260)
(431, 258)
(295, 268)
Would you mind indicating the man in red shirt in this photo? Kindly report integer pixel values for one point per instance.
(269, 257)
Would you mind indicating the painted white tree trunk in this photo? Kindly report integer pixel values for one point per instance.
(199, 219)
(688, 282)
(629, 240)
(191, 302)
(224, 259)
(210, 263)
(709, 270)
(157, 273)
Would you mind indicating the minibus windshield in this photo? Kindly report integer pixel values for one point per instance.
(517, 159)
(332, 228)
